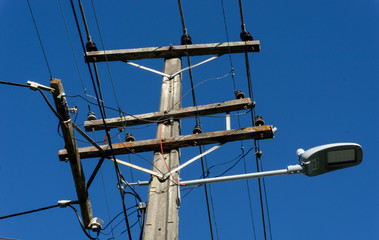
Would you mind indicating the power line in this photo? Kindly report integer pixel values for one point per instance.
(266, 200)
(186, 39)
(249, 196)
(31, 211)
(73, 52)
(106, 58)
(239, 122)
(227, 40)
(40, 40)
(102, 112)
(246, 36)
(14, 84)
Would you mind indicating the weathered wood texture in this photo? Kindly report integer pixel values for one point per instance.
(229, 106)
(173, 51)
(72, 154)
(261, 132)
(162, 218)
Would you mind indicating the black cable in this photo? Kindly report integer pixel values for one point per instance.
(206, 195)
(219, 164)
(148, 121)
(145, 159)
(143, 212)
(51, 106)
(213, 210)
(40, 41)
(134, 194)
(31, 211)
(261, 198)
(106, 57)
(235, 89)
(102, 108)
(44, 96)
(256, 143)
(197, 118)
(266, 200)
(114, 218)
(130, 187)
(81, 223)
(73, 52)
(249, 195)
(243, 27)
(123, 231)
(227, 40)
(14, 84)
(230, 168)
(190, 189)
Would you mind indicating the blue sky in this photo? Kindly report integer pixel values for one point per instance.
(315, 79)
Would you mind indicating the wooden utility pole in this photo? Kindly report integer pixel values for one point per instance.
(72, 149)
(163, 200)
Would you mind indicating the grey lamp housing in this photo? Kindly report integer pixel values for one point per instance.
(330, 157)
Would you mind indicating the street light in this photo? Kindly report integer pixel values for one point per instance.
(313, 162)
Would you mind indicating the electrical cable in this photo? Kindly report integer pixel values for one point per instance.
(43, 95)
(131, 174)
(135, 195)
(81, 223)
(143, 213)
(123, 231)
(266, 200)
(106, 58)
(227, 40)
(14, 84)
(260, 194)
(164, 159)
(219, 164)
(130, 187)
(73, 52)
(102, 108)
(197, 118)
(213, 211)
(114, 218)
(40, 40)
(106, 198)
(143, 158)
(239, 122)
(31, 211)
(51, 106)
(249, 196)
(230, 168)
(241, 15)
(189, 189)
(105, 192)
(256, 143)
(149, 121)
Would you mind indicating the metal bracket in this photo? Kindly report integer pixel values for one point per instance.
(34, 86)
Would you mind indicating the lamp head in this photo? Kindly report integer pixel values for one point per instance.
(330, 157)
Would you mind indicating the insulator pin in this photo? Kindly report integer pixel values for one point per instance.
(197, 130)
(259, 121)
(186, 39)
(129, 137)
(246, 36)
(91, 46)
(91, 116)
(239, 94)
